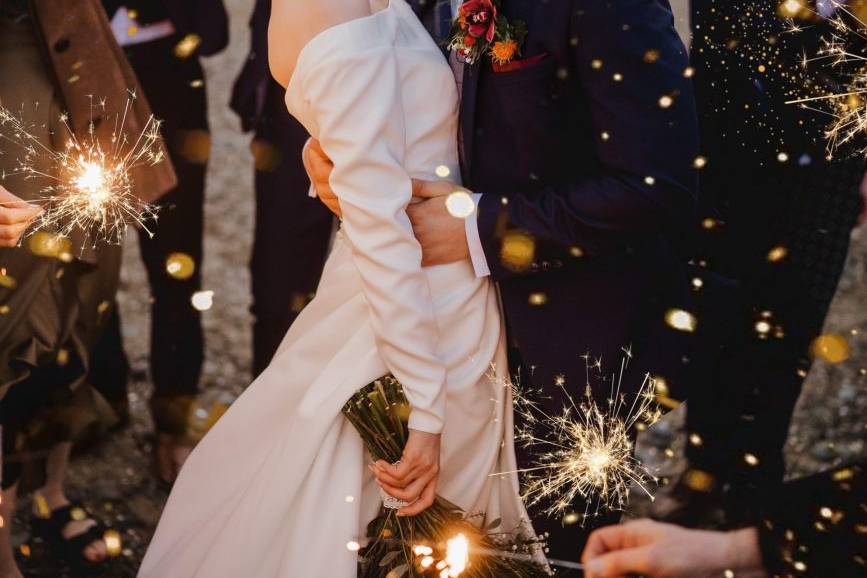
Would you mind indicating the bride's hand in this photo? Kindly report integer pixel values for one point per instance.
(414, 478)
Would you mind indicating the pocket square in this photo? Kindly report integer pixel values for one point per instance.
(519, 64)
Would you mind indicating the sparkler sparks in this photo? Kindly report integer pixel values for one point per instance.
(88, 185)
(585, 453)
(846, 105)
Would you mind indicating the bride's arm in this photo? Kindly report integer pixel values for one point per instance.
(354, 96)
(294, 23)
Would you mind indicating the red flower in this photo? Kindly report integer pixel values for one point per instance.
(469, 40)
(481, 18)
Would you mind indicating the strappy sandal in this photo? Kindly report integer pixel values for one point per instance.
(50, 524)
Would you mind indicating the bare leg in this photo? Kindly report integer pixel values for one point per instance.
(8, 567)
(56, 465)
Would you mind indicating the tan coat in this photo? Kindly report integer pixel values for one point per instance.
(86, 61)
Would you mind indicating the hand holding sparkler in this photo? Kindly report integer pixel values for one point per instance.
(88, 183)
(660, 550)
(15, 216)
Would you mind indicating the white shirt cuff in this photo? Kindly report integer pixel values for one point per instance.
(477, 253)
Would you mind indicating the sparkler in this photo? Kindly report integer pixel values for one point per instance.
(88, 186)
(586, 451)
(847, 107)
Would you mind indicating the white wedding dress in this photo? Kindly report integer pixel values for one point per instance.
(280, 485)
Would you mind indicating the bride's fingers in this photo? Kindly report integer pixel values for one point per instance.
(399, 475)
(411, 492)
(388, 473)
(424, 501)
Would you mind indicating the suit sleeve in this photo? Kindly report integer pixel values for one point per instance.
(631, 66)
(361, 128)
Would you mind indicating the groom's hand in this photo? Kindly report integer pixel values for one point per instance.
(441, 234)
(319, 167)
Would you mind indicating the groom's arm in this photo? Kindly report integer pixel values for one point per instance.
(630, 62)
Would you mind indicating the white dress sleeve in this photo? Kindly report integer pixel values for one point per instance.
(355, 98)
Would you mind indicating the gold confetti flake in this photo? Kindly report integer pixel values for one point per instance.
(777, 254)
(353, 546)
(751, 459)
(6, 280)
(538, 298)
(194, 145)
(460, 204)
(831, 348)
(266, 157)
(443, 171)
(113, 543)
(665, 101)
(202, 300)
(187, 46)
(180, 266)
(681, 320)
(518, 251)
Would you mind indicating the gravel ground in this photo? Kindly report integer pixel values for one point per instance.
(114, 478)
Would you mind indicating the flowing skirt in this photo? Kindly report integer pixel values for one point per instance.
(280, 487)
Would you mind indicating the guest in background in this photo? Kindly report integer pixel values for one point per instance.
(293, 231)
(55, 293)
(163, 42)
(778, 217)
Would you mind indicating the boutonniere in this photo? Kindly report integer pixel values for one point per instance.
(481, 30)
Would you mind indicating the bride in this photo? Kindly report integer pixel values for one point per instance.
(282, 486)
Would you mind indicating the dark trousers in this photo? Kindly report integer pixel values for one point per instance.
(174, 87)
(292, 230)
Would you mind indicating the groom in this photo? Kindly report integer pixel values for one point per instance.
(580, 154)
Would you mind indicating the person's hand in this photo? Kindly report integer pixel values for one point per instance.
(658, 550)
(319, 167)
(15, 216)
(442, 236)
(414, 478)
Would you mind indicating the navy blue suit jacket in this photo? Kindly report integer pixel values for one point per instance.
(589, 150)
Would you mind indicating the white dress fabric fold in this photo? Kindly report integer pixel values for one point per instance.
(279, 487)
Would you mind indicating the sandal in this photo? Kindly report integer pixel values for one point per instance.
(50, 524)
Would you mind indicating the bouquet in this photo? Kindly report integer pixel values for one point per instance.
(442, 541)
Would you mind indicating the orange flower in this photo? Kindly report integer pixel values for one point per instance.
(504, 51)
